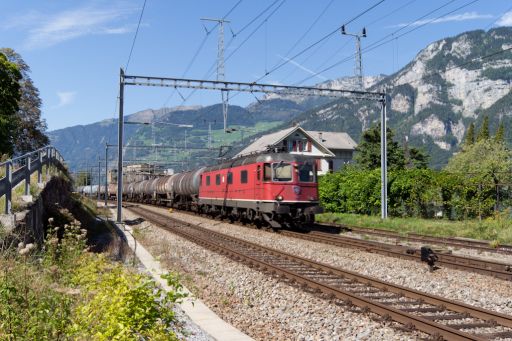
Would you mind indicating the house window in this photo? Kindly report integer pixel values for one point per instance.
(217, 179)
(207, 180)
(243, 177)
(230, 178)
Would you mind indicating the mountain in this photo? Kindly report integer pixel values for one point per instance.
(434, 98)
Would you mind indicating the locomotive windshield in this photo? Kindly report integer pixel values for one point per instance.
(282, 171)
(306, 172)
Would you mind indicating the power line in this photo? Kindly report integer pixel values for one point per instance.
(278, 66)
(200, 47)
(135, 36)
(383, 40)
(459, 65)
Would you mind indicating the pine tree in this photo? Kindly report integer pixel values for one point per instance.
(500, 133)
(368, 150)
(483, 134)
(470, 135)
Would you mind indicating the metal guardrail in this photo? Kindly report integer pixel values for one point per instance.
(21, 168)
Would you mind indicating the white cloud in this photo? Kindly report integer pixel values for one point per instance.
(450, 18)
(48, 30)
(302, 67)
(65, 98)
(505, 20)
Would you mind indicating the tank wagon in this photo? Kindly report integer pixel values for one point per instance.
(279, 189)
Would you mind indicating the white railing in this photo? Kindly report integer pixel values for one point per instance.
(21, 168)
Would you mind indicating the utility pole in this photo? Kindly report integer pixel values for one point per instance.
(220, 67)
(358, 69)
(383, 159)
(106, 174)
(99, 178)
(120, 148)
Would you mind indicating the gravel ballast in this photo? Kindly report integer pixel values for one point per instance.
(474, 289)
(263, 307)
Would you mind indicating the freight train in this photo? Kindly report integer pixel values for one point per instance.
(277, 189)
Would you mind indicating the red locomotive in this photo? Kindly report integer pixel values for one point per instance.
(277, 188)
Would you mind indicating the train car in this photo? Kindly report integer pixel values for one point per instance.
(278, 188)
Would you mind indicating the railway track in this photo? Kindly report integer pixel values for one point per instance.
(437, 316)
(484, 267)
(480, 245)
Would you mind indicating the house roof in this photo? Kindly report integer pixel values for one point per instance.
(334, 140)
(264, 141)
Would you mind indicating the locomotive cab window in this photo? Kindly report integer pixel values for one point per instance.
(217, 179)
(207, 180)
(243, 177)
(267, 172)
(306, 172)
(282, 171)
(230, 178)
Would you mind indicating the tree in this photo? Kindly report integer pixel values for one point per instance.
(470, 135)
(9, 97)
(483, 134)
(500, 133)
(31, 127)
(483, 168)
(368, 152)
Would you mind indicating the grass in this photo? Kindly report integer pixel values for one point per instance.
(496, 229)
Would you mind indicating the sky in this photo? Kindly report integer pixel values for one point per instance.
(75, 49)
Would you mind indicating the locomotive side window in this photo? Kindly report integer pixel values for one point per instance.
(282, 171)
(258, 172)
(243, 177)
(267, 172)
(217, 179)
(207, 180)
(306, 172)
(230, 178)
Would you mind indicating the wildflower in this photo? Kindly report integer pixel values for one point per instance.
(21, 245)
(50, 221)
(24, 251)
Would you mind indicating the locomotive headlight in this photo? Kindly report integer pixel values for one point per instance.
(279, 198)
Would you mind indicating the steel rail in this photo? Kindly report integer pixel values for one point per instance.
(302, 271)
(480, 266)
(480, 245)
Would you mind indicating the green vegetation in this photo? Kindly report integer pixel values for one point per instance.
(497, 229)
(474, 184)
(9, 97)
(64, 292)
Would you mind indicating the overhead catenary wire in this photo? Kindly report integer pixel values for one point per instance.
(135, 37)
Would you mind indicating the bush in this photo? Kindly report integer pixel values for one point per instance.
(66, 292)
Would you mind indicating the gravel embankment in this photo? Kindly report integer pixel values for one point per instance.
(261, 306)
(471, 288)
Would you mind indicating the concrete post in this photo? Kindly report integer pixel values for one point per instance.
(28, 171)
(8, 192)
(40, 168)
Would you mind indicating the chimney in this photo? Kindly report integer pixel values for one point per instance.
(295, 123)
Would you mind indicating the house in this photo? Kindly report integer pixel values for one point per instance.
(333, 150)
